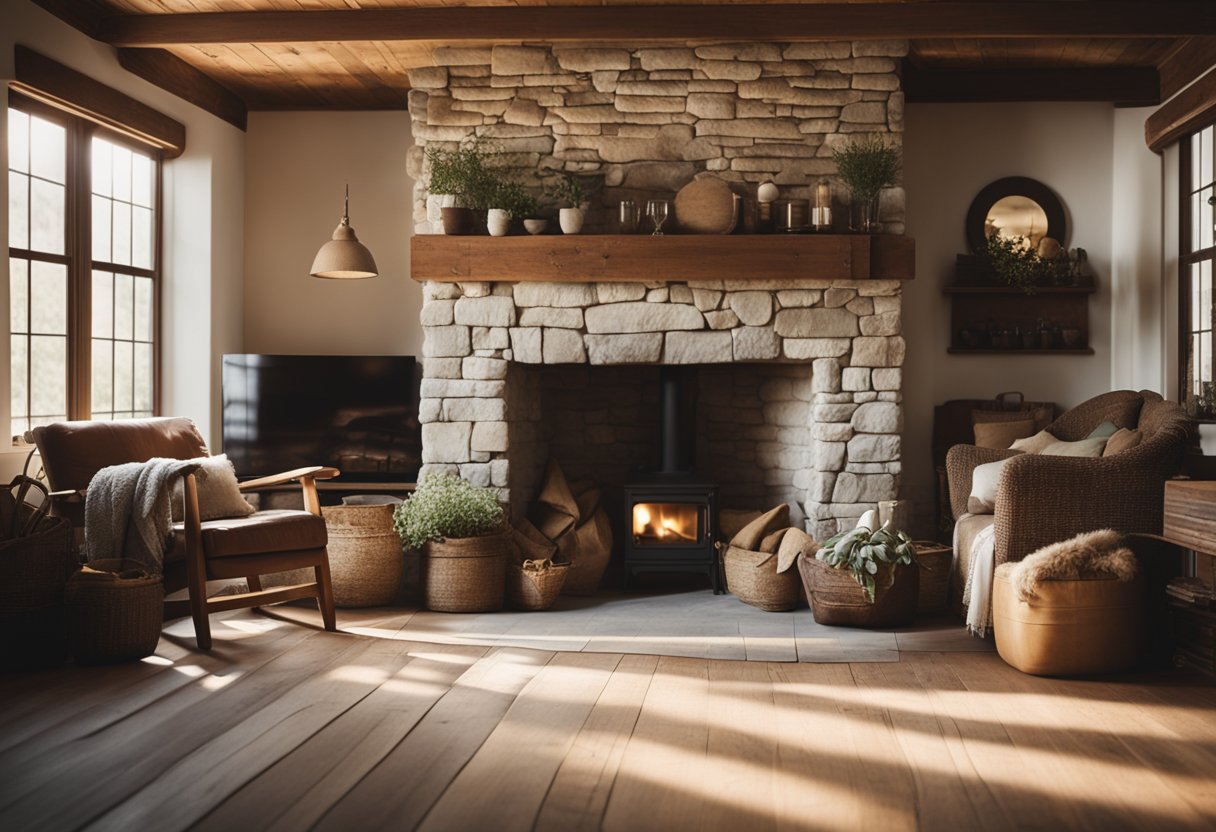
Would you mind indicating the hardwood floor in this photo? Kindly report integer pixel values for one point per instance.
(287, 727)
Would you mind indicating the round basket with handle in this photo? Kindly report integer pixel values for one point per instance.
(115, 612)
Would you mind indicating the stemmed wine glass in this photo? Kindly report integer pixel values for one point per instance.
(656, 209)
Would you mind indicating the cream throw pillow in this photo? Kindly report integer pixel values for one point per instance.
(1122, 440)
(1000, 435)
(984, 480)
(1034, 444)
(219, 496)
(1082, 447)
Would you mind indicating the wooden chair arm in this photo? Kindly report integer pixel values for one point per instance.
(71, 495)
(315, 472)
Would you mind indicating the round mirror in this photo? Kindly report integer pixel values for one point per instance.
(1015, 207)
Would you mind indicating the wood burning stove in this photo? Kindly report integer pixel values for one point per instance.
(671, 513)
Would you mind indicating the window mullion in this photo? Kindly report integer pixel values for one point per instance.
(80, 381)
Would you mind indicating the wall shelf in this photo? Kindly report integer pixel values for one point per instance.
(673, 257)
(1012, 351)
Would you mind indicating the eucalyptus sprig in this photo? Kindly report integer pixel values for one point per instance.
(863, 552)
(446, 506)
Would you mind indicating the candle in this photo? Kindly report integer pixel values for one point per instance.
(821, 216)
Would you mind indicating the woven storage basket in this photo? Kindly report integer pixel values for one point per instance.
(535, 589)
(33, 573)
(752, 577)
(465, 574)
(837, 599)
(365, 555)
(115, 612)
(934, 560)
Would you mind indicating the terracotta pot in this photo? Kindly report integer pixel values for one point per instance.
(458, 222)
(837, 599)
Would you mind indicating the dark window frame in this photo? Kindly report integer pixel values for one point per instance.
(1186, 260)
(78, 251)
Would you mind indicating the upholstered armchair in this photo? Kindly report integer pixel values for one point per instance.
(1043, 499)
(200, 550)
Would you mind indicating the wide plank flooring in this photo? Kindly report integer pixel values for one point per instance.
(283, 726)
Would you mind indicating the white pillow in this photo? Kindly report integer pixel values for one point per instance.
(1034, 444)
(984, 480)
(1082, 447)
(219, 496)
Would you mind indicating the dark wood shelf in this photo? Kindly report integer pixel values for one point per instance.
(989, 351)
(675, 257)
(1013, 290)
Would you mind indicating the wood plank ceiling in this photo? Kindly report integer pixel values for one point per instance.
(233, 55)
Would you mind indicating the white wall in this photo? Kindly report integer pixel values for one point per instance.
(951, 151)
(203, 222)
(296, 166)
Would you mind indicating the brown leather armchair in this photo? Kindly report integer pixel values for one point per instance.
(1045, 499)
(245, 547)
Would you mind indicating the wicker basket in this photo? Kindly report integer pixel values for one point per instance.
(535, 588)
(837, 599)
(34, 570)
(365, 555)
(934, 560)
(114, 612)
(465, 574)
(752, 577)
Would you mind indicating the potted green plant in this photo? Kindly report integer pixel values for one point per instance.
(573, 191)
(866, 166)
(862, 578)
(511, 203)
(459, 530)
(461, 183)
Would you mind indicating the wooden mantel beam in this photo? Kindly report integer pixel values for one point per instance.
(744, 22)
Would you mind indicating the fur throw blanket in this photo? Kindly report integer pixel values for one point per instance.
(1093, 555)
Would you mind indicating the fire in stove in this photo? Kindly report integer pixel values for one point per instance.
(666, 523)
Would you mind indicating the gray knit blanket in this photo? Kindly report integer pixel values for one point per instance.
(127, 512)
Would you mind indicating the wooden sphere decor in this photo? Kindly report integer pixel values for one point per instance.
(706, 206)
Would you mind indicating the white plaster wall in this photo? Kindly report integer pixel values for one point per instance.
(951, 151)
(203, 223)
(297, 164)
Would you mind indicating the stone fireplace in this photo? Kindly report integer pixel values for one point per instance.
(794, 364)
(797, 393)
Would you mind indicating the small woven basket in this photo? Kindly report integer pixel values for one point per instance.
(935, 561)
(365, 555)
(837, 599)
(534, 585)
(752, 577)
(465, 574)
(115, 612)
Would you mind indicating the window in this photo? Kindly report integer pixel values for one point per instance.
(83, 270)
(1197, 253)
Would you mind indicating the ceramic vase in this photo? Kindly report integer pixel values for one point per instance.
(498, 222)
(571, 220)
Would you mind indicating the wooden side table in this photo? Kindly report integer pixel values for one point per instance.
(1190, 522)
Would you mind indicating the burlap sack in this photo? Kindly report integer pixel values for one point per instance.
(556, 510)
(587, 549)
(528, 543)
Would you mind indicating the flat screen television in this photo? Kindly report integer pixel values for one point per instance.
(358, 413)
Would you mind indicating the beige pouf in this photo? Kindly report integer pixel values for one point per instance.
(365, 555)
(1071, 627)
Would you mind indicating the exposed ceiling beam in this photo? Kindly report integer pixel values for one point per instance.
(779, 22)
(171, 73)
(1189, 110)
(1128, 86)
(1190, 59)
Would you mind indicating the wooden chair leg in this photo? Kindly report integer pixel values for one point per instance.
(325, 595)
(198, 610)
(255, 583)
(196, 568)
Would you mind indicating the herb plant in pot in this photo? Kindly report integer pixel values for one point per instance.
(862, 578)
(459, 530)
(574, 192)
(866, 166)
(460, 185)
(511, 203)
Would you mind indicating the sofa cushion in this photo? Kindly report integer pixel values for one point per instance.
(1122, 440)
(1000, 435)
(218, 492)
(257, 534)
(984, 480)
(1082, 447)
(1034, 444)
(1103, 431)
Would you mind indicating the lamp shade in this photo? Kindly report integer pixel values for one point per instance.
(344, 257)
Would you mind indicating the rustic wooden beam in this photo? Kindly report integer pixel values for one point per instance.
(762, 22)
(1189, 110)
(49, 81)
(642, 257)
(1190, 59)
(85, 15)
(171, 73)
(1129, 86)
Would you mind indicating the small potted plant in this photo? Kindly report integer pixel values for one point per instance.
(460, 185)
(459, 530)
(866, 166)
(511, 203)
(573, 191)
(862, 578)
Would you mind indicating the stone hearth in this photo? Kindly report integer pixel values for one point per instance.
(827, 438)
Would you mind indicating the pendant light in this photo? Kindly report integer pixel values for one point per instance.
(344, 257)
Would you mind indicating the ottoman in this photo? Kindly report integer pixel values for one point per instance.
(1072, 627)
